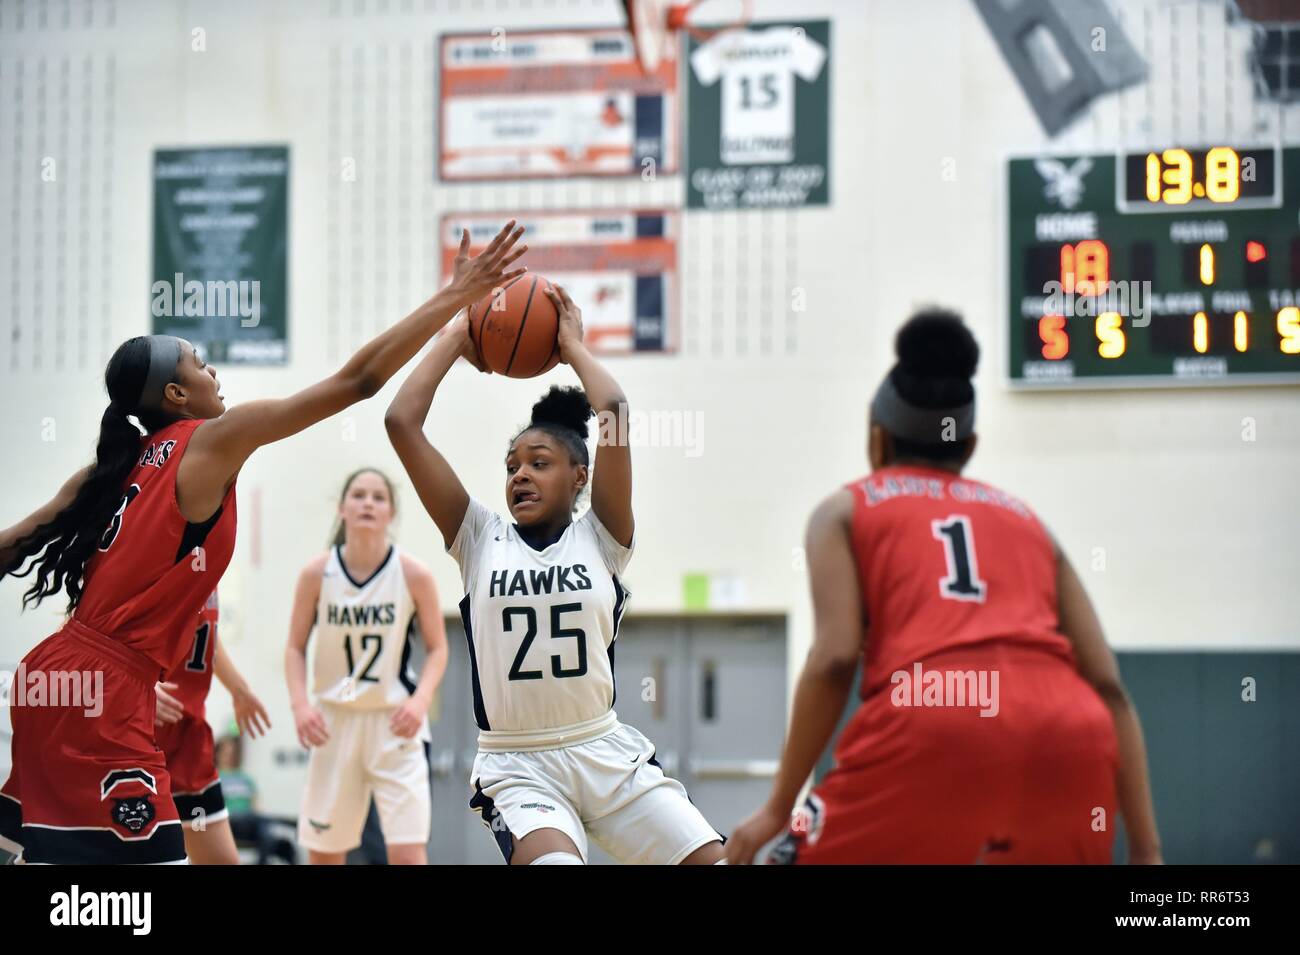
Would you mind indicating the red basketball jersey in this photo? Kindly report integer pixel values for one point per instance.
(192, 673)
(146, 583)
(946, 563)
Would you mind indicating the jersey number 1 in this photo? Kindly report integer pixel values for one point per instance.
(963, 579)
(198, 659)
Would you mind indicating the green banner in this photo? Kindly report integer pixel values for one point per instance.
(220, 251)
(759, 117)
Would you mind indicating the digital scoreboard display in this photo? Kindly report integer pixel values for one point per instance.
(1172, 266)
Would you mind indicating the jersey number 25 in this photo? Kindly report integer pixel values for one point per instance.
(558, 669)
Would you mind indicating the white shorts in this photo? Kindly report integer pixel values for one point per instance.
(609, 789)
(363, 757)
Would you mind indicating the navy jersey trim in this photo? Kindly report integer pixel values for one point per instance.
(338, 549)
(481, 803)
(403, 668)
(480, 711)
(620, 599)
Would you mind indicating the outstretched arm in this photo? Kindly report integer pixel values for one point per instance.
(827, 677)
(1078, 621)
(219, 447)
(611, 487)
(436, 484)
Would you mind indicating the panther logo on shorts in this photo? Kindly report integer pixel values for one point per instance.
(133, 813)
(132, 810)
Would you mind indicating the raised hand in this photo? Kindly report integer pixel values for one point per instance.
(570, 333)
(473, 278)
(457, 335)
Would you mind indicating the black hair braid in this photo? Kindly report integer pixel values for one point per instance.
(59, 549)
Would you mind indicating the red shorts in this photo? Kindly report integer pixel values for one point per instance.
(187, 746)
(88, 784)
(1034, 783)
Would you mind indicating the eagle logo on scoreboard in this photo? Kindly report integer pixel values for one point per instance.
(1063, 184)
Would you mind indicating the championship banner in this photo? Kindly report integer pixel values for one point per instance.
(220, 251)
(620, 267)
(518, 105)
(759, 117)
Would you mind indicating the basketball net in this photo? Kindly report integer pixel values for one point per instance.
(656, 23)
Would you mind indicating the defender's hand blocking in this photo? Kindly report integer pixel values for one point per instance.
(473, 278)
(570, 333)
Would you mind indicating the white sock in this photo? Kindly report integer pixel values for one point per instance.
(557, 858)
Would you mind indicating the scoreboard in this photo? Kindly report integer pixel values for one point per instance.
(1162, 267)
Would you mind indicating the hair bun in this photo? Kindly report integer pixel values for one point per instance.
(565, 407)
(935, 343)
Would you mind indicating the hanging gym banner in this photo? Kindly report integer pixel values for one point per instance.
(553, 103)
(759, 117)
(220, 252)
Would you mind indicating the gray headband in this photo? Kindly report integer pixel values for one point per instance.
(924, 425)
(164, 356)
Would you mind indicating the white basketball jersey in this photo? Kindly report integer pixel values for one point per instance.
(363, 636)
(541, 624)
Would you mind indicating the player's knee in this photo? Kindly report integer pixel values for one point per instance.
(557, 858)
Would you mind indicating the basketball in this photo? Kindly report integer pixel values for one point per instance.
(515, 330)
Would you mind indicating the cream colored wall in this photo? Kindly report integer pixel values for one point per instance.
(1197, 527)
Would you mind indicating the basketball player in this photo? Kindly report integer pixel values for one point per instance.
(993, 725)
(543, 600)
(139, 540)
(369, 733)
(185, 738)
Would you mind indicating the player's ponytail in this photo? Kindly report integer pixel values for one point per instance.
(927, 401)
(59, 549)
(340, 535)
(563, 414)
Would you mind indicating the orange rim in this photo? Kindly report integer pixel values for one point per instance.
(679, 18)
